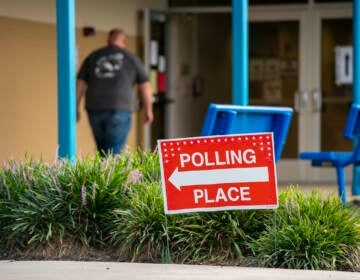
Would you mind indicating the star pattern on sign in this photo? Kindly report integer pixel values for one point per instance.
(261, 142)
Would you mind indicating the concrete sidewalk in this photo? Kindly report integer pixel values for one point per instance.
(69, 270)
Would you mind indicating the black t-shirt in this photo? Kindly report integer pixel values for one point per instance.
(111, 73)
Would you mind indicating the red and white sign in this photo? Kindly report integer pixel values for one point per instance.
(218, 173)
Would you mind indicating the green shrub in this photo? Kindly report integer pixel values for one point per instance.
(42, 202)
(115, 204)
(310, 232)
(140, 228)
(31, 204)
(96, 186)
(214, 237)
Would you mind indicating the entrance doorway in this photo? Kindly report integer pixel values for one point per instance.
(200, 62)
(200, 53)
(291, 63)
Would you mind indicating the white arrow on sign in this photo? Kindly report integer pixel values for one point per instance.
(219, 176)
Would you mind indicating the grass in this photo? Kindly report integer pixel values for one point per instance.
(112, 208)
(310, 232)
(140, 227)
(214, 237)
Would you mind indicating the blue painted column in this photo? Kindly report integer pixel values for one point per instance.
(356, 82)
(65, 18)
(240, 52)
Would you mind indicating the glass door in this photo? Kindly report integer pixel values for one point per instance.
(278, 41)
(274, 74)
(303, 41)
(335, 25)
(200, 51)
(336, 40)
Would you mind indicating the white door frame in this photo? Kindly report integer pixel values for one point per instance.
(321, 12)
(293, 170)
(309, 123)
(146, 134)
(288, 169)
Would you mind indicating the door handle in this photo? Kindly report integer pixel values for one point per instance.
(316, 100)
(308, 101)
(302, 101)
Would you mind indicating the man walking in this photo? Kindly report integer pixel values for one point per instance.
(107, 77)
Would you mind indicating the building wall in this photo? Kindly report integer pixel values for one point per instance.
(103, 14)
(28, 76)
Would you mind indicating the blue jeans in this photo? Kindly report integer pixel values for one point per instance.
(110, 129)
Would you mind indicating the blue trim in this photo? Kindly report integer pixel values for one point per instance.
(65, 14)
(240, 52)
(356, 56)
(356, 83)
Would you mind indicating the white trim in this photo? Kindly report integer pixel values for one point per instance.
(147, 128)
(333, 6)
(284, 12)
(334, 13)
(310, 78)
(278, 8)
(222, 208)
(200, 10)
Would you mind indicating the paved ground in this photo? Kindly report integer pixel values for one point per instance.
(51, 270)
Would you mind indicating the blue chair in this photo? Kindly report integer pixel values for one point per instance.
(232, 119)
(338, 159)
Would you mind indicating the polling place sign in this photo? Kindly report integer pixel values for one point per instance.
(218, 173)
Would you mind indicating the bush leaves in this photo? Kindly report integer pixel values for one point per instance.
(115, 204)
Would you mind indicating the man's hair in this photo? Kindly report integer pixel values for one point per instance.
(114, 34)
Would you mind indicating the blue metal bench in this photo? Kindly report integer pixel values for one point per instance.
(338, 159)
(231, 119)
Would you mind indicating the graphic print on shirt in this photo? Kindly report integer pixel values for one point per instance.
(107, 66)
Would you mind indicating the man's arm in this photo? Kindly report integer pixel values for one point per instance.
(146, 93)
(80, 90)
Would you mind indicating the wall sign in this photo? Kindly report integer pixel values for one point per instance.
(343, 65)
